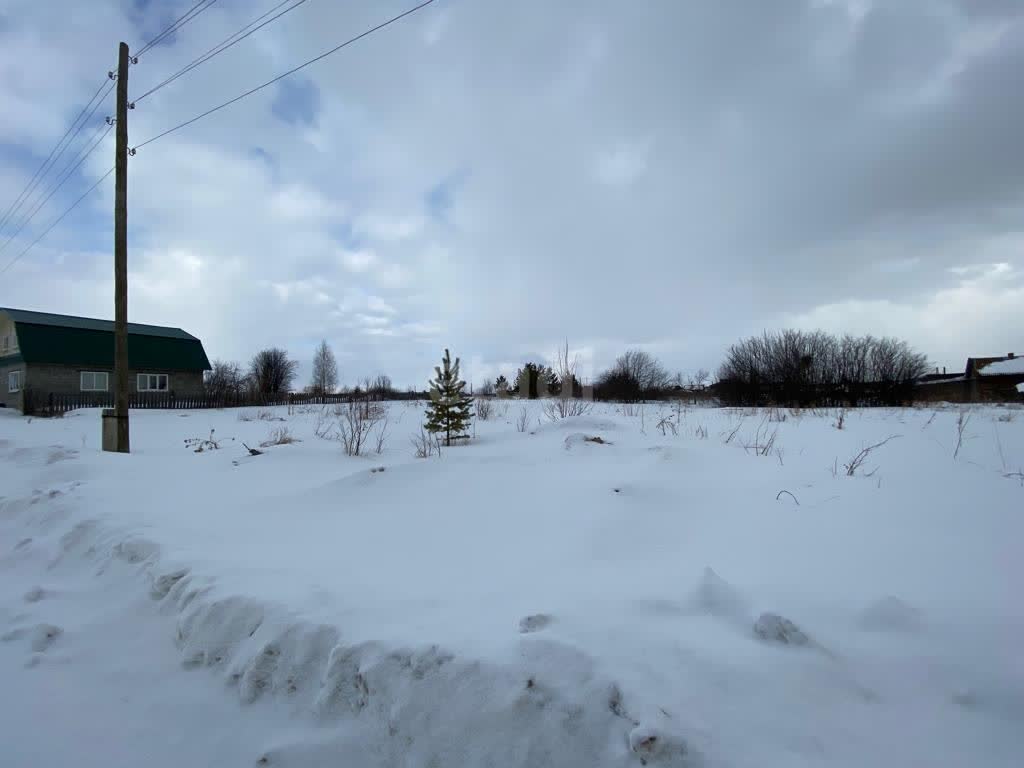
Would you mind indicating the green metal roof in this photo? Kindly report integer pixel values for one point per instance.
(90, 324)
(45, 338)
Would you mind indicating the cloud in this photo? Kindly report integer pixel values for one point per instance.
(358, 261)
(947, 324)
(622, 164)
(663, 174)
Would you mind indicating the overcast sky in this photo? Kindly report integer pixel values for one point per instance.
(499, 176)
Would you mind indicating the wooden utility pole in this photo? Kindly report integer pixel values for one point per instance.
(121, 254)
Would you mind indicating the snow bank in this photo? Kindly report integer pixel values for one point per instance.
(417, 705)
(646, 601)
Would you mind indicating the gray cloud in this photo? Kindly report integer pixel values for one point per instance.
(667, 174)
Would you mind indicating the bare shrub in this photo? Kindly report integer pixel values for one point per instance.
(840, 421)
(666, 425)
(764, 440)
(246, 416)
(631, 409)
(567, 402)
(201, 444)
(426, 444)
(1006, 418)
(279, 436)
(858, 460)
(382, 434)
(776, 415)
(484, 408)
(962, 420)
(325, 426)
(266, 415)
(523, 419)
(356, 421)
(564, 407)
(814, 367)
(733, 432)
(701, 432)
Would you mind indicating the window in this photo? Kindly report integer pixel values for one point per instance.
(152, 382)
(7, 343)
(14, 381)
(93, 381)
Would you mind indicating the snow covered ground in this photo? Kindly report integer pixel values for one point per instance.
(723, 594)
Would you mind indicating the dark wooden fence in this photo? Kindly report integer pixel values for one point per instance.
(56, 404)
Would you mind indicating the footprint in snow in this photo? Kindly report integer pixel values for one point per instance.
(45, 635)
(35, 594)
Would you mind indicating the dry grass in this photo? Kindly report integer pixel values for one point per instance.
(279, 436)
(858, 460)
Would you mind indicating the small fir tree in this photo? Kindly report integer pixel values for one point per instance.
(448, 411)
(501, 386)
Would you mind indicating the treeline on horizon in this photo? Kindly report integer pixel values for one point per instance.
(788, 367)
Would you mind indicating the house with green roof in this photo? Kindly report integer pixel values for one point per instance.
(63, 355)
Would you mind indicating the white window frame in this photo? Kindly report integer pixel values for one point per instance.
(7, 343)
(93, 388)
(161, 378)
(14, 381)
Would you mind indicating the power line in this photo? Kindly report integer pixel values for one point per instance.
(62, 175)
(324, 55)
(184, 19)
(51, 159)
(224, 45)
(55, 223)
(66, 174)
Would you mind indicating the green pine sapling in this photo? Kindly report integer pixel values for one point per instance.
(449, 409)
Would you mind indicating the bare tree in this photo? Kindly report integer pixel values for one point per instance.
(271, 371)
(636, 375)
(800, 367)
(380, 387)
(325, 370)
(224, 379)
(568, 402)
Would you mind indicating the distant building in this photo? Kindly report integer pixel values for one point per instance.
(63, 355)
(984, 380)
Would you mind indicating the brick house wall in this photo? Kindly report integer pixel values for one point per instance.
(7, 399)
(980, 389)
(996, 389)
(66, 379)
